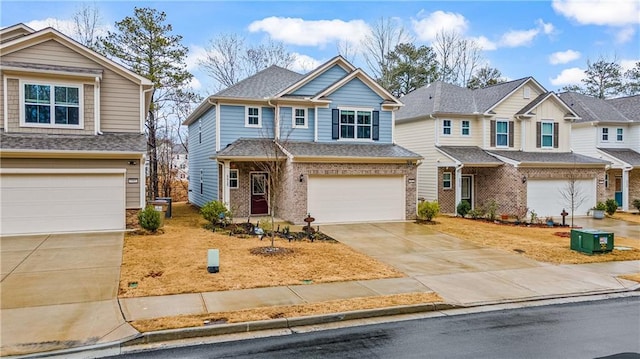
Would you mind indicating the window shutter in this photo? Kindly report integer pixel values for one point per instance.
(538, 134)
(511, 125)
(555, 135)
(375, 135)
(493, 133)
(335, 124)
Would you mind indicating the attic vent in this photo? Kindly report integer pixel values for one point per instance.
(527, 92)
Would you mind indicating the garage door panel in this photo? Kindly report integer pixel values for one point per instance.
(545, 197)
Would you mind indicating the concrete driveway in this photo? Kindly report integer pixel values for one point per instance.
(618, 227)
(60, 291)
(467, 274)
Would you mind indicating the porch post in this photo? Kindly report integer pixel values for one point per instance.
(226, 194)
(458, 187)
(625, 188)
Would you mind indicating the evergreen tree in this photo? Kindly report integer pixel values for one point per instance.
(410, 67)
(603, 78)
(485, 76)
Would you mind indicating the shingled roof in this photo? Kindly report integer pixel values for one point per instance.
(107, 142)
(591, 109)
(628, 106)
(266, 83)
(349, 150)
(470, 155)
(626, 155)
(548, 157)
(252, 149)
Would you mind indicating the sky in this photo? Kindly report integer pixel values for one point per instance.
(549, 40)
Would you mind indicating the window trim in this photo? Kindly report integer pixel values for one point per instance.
(246, 117)
(502, 133)
(237, 178)
(355, 124)
(606, 180)
(468, 128)
(445, 127)
(619, 134)
(604, 132)
(52, 124)
(542, 134)
(449, 180)
(294, 117)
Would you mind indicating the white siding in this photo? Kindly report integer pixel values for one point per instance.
(419, 137)
(583, 139)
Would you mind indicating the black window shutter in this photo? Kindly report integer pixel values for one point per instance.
(335, 123)
(511, 125)
(538, 134)
(555, 134)
(493, 133)
(376, 126)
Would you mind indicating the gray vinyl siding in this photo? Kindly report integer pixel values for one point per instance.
(232, 124)
(296, 134)
(200, 153)
(119, 104)
(326, 79)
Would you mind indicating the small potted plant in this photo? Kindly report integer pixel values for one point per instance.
(598, 210)
(549, 221)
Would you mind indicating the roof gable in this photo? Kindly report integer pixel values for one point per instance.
(490, 97)
(548, 96)
(368, 81)
(338, 60)
(264, 84)
(14, 32)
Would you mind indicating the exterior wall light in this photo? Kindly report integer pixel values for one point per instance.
(301, 177)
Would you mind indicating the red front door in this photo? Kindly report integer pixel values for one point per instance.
(259, 194)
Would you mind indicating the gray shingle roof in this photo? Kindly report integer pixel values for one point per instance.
(252, 148)
(624, 154)
(349, 150)
(107, 142)
(548, 157)
(592, 109)
(533, 103)
(470, 155)
(628, 106)
(266, 83)
(487, 97)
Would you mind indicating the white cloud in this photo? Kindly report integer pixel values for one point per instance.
(484, 43)
(304, 63)
(515, 38)
(297, 31)
(571, 76)
(547, 28)
(428, 27)
(196, 53)
(625, 34)
(628, 64)
(195, 84)
(599, 12)
(563, 57)
(64, 26)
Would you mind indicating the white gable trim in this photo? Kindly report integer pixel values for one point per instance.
(367, 80)
(529, 80)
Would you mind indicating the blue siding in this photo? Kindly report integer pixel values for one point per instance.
(323, 81)
(295, 134)
(232, 119)
(200, 153)
(354, 94)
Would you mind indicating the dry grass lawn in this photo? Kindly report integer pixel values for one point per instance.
(533, 242)
(292, 311)
(627, 216)
(176, 261)
(634, 277)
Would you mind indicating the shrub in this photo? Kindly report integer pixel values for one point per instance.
(428, 210)
(492, 209)
(476, 213)
(636, 203)
(463, 208)
(216, 213)
(149, 218)
(611, 206)
(600, 206)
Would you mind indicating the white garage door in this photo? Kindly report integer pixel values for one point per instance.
(47, 202)
(335, 199)
(546, 197)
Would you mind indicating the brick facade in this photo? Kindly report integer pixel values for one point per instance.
(634, 186)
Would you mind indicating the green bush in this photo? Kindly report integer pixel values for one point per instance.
(611, 206)
(463, 208)
(150, 219)
(428, 210)
(636, 203)
(216, 213)
(600, 206)
(476, 213)
(492, 209)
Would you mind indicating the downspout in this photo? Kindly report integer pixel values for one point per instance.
(96, 106)
(142, 113)
(226, 192)
(435, 129)
(276, 119)
(5, 109)
(625, 187)
(458, 194)
(217, 123)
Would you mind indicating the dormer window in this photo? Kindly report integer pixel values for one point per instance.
(51, 105)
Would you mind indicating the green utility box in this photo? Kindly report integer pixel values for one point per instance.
(591, 241)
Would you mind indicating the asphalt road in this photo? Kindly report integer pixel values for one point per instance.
(608, 328)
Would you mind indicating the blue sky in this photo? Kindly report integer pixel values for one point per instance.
(549, 40)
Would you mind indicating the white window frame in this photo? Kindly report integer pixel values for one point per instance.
(463, 127)
(542, 134)
(606, 180)
(619, 134)
(52, 124)
(445, 174)
(246, 117)
(502, 133)
(232, 178)
(526, 92)
(446, 127)
(294, 117)
(605, 133)
(355, 124)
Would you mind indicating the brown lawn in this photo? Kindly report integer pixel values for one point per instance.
(176, 261)
(627, 216)
(533, 242)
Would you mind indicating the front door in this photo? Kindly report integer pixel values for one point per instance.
(618, 186)
(467, 189)
(259, 194)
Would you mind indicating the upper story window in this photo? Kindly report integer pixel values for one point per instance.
(605, 134)
(502, 133)
(546, 133)
(200, 131)
(446, 127)
(51, 105)
(466, 128)
(619, 134)
(252, 118)
(357, 124)
(233, 178)
(299, 118)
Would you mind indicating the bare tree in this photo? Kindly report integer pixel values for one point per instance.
(573, 194)
(346, 50)
(264, 55)
(86, 21)
(385, 35)
(459, 58)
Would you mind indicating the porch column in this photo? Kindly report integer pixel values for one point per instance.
(226, 193)
(458, 187)
(625, 188)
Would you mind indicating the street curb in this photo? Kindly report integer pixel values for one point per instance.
(282, 323)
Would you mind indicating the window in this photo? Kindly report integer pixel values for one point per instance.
(606, 180)
(466, 129)
(299, 118)
(201, 183)
(546, 134)
(233, 178)
(446, 180)
(619, 136)
(253, 117)
(605, 134)
(199, 131)
(446, 127)
(52, 105)
(355, 124)
(502, 133)
(526, 92)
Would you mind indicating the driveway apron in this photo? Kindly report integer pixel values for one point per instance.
(60, 291)
(464, 273)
